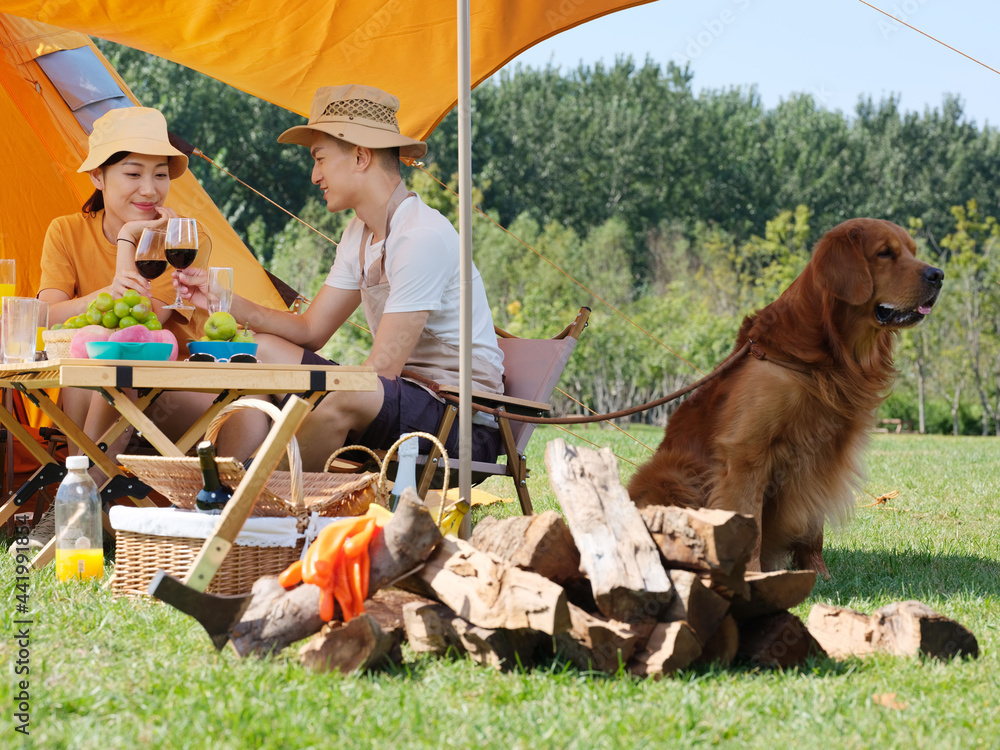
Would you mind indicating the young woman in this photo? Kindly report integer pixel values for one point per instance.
(131, 163)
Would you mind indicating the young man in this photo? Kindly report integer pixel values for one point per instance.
(400, 260)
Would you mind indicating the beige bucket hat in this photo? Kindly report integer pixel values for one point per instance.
(361, 115)
(138, 130)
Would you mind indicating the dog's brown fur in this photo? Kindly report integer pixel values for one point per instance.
(781, 444)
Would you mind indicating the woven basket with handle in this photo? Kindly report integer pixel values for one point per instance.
(286, 493)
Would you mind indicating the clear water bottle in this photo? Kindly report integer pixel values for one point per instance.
(79, 535)
(406, 469)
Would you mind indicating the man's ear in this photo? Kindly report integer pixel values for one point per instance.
(362, 157)
(841, 266)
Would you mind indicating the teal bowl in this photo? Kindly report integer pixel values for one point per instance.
(150, 351)
(222, 350)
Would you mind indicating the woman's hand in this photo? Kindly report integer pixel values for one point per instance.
(129, 279)
(132, 230)
(192, 284)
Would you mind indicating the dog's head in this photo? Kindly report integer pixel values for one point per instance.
(871, 265)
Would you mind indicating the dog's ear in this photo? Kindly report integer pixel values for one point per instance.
(841, 267)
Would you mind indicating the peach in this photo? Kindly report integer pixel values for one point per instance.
(78, 345)
(137, 334)
(166, 337)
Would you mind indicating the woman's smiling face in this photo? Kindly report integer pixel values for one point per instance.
(134, 187)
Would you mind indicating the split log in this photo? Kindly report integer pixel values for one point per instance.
(358, 645)
(722, 645)
(596, 643)
(276, 618)
(435, 628)
(774, 592)
(702, 538)
(670, 647)
(489, 592)
(696, 604)
(779, 640)
(728, 586)
(541, 543)
(904, 629)
(616, 551)
(368, 641)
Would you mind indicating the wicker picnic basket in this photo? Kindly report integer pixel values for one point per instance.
(286, 493)
(139, 556)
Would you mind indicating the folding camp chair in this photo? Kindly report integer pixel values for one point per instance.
(532, 368)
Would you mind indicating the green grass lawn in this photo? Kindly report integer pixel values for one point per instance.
(107, 673)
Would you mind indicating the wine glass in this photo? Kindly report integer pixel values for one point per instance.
(220, 289)
(181, 248)
(150, 254)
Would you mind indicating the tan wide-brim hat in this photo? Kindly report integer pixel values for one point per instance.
(360, 115)
(137, 130)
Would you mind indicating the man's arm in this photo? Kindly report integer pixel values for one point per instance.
(397, 335)
(310, 330)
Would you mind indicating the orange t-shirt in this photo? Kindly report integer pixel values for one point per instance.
(77, 259)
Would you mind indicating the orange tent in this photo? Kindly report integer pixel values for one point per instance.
(44, 142)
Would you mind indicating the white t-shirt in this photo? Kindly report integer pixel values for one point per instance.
(422, 269)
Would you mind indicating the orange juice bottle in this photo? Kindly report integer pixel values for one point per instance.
(79, 536)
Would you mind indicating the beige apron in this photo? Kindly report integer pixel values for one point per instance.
(431, 355)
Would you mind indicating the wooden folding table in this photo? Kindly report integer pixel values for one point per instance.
(111, 378)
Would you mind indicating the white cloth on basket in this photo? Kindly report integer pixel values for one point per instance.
(174, 522)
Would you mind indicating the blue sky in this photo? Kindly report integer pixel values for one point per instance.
(837, 50)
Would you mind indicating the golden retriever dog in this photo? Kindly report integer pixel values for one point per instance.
(779, 435)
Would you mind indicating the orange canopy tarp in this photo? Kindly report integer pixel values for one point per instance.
(283, 52)
(43, 145)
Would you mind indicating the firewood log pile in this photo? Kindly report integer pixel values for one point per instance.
(609, 587)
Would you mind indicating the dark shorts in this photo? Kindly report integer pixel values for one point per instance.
(409, 408)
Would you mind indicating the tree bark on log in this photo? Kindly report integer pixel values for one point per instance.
(904, 629)
(276, 618)
(435, 628)
(702, 538)
(542, 543)
(670, 647)
(489, 592)
(616, 551)
(596, 643)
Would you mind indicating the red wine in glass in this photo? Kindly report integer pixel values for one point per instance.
(181, 248)
(181, 257)
(150, 261)
(151, 269)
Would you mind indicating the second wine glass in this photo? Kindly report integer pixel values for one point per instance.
(150, 254)
(181, 248)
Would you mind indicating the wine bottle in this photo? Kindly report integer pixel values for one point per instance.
(213, 496)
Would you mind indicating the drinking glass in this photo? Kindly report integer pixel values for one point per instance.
(7, 278)
(150, 253)
(19, 328)
(220, 289)
(41, 323)
(181, 248)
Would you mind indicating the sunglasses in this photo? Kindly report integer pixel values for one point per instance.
(236, 358)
